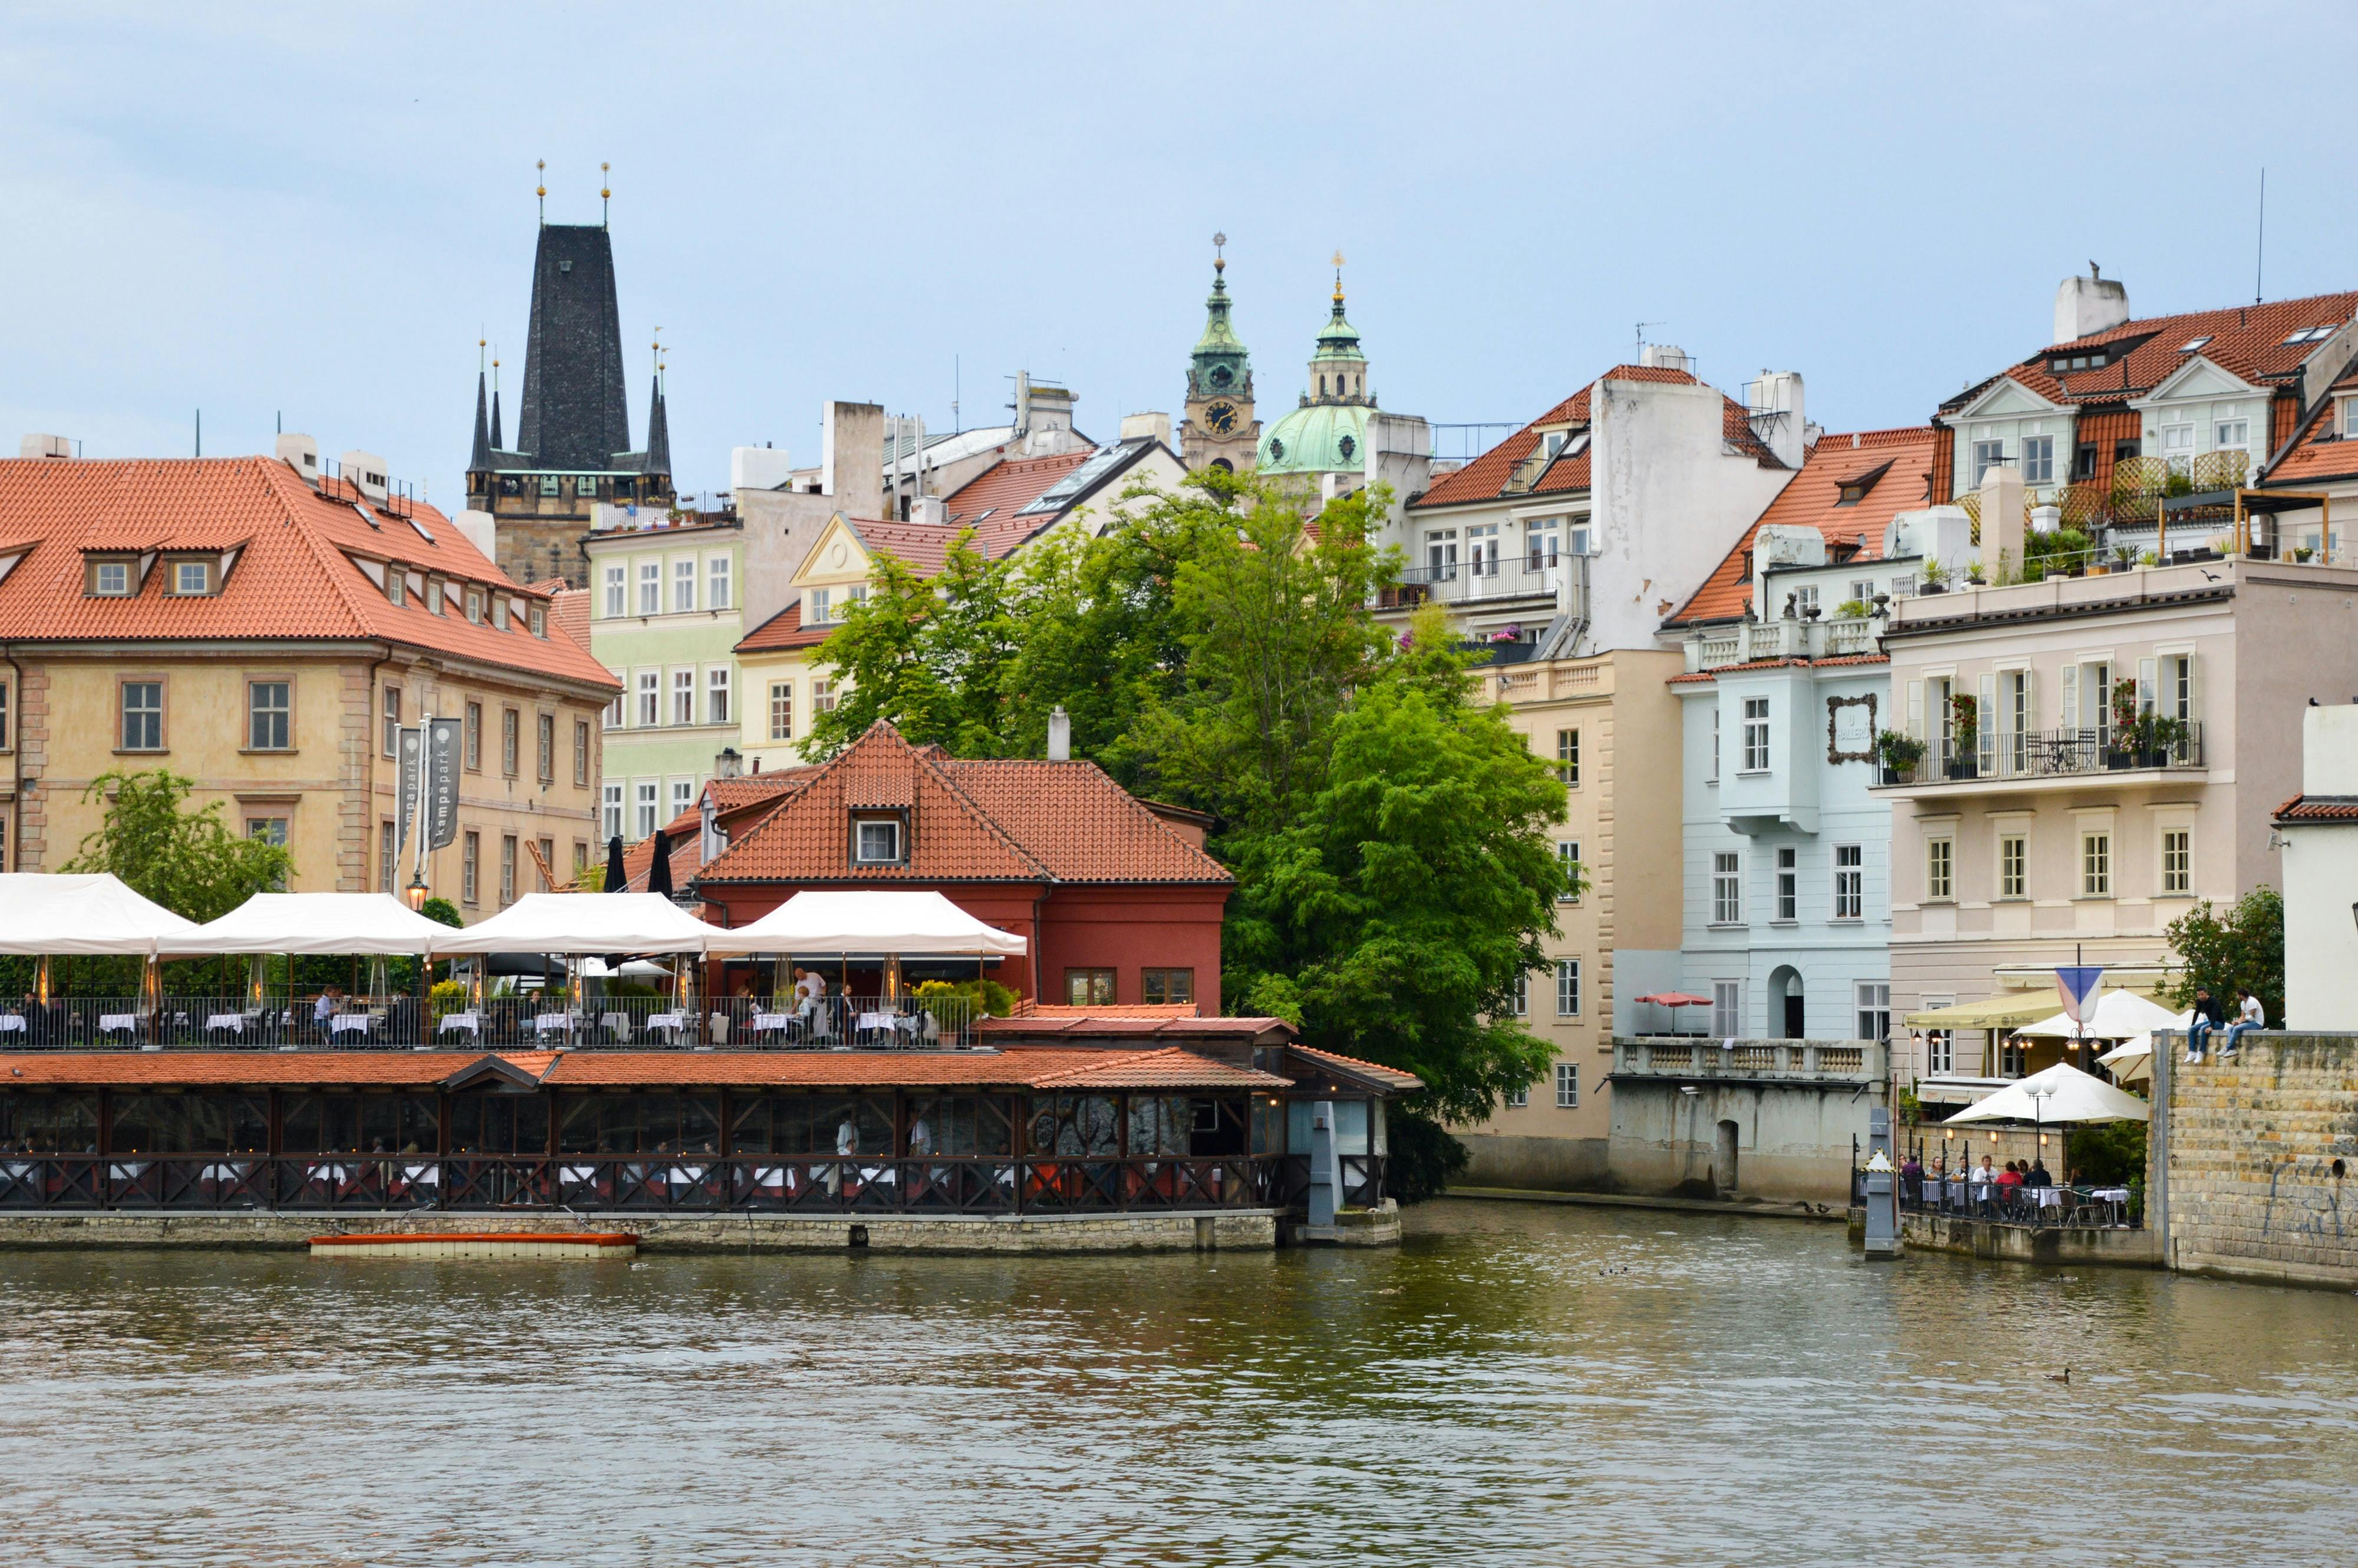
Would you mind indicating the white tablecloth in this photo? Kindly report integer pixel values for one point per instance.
(9, 1020)
(109, 1021)
(2109, 1194)
(552, 1023)
(226, 1021)
(764, 1021)
(455, 1023)
(667, 1021)
(351, 1023)
(2048, 1197)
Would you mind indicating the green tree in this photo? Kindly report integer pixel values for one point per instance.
(2243, 948)
(189, 861)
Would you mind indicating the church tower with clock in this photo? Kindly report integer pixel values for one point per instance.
(1219, 430)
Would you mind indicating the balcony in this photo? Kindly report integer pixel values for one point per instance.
(2081, 757)
(1752, 1061)
(1799, 638)
(1480, 582)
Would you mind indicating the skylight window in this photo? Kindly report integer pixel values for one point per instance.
(2191, 344)
(2312, 334)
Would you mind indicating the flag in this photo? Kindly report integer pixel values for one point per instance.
(2078, 986)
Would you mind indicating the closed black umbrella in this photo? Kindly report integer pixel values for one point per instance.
(616, 879)
(659, 869)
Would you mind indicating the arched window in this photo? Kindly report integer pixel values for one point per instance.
(1223, 465)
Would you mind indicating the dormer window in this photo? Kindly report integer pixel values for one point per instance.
(879, 841)
(2096, 360)
(397, 586)
(539, 621)
(192, 578)
(434, 594)
(110, 579)
(475, 605)
(499, 614)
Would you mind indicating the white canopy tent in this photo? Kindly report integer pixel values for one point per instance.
(582, 923)
(43, 913)
(2062, 1093)
(311, 923)
(2118, 1015)
(844, 924)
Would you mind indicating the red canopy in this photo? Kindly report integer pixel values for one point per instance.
(1676, 998)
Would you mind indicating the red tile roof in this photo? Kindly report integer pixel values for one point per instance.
(2245, 340)
(2316, 452)
(1485, 479)
(1128, 1024)
(1899, 462)
(741, 803)
(1392, 1076)
(568, 608)
(294, 574)
(784, 630)
(2319, 808)
(988, 502)
(971, 821)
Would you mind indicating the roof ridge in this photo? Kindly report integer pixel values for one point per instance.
(973, 808)
(328, 557)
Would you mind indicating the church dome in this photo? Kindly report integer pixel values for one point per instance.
(1319, 438)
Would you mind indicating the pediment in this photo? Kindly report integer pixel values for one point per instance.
(2199, 378)
(838, 554)
(2006, 398)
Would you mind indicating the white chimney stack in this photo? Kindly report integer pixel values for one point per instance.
(365, 471)
(1134, 426)
(300, 453)
(481, 530)
(1778, 416)
(45, 447)
(2087, 305)
(1060, 735)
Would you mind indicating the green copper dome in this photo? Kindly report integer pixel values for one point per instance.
(1319, 438)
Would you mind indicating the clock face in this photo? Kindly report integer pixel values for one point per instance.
(1221, 417)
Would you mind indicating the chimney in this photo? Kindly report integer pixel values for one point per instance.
(300, 453)
(928, 509)
(759, 468)
(481, 530)
(1060, 735)
(2001, 546)
(366, 471)
(1664, 356)
(1776, 415)
(1136, 426)
(45, 447)
(2086, 306)
(851, 458)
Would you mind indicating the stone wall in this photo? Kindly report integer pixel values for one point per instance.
(1535, 1164)
(2260, 1161)
(1228, 1230)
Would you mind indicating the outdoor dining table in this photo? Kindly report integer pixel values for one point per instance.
(553, 1023)
(12, 1022)
(108, 1022)
(675, 1022)
(461, 1022)
(230, 1021)
(351, 1023)
(772, 1022)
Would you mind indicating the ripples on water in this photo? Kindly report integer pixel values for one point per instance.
(1518, 1384)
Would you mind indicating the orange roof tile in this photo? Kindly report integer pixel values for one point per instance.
(988, 502)
(1899, 463)
(2245, 340)
(568, 608)
(1393, 1076)
(295, 573)
(971, 821)
(2316, 453)
(784, 630)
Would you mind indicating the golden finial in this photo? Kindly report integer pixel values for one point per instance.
(605, 191)
(1219, 243)
(541, 190)
(1338, 277)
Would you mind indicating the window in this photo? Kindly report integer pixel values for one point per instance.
(580, 859)
(143, 716)
(581, 753)
(1441, 555)
(1088, 987)
(269, 715)
(644, 802)
(2084, 460)
(1482, 549)
(1873, 1010)
(1805, 600)
(197, 578)
(470, 859)
(475, 605)
(1987, 455)
(2176, 699)
(4, 715)
(1518, 1099)
(538, 621)
(683, 583)
(548, 481)
(2096, 865)
(1567, 851)
(1727, 905)
(1727, 1008)
(1567, 1086)
(434, 594)
(585, 491)
(507, 869)
(618, 711)
(1567, 757)
(1789, 879)
(1940, 868)
(2038, 459)
(1540, 542)
(683, 795)
(2013, 866)
(1167, 987)
(2177, 860)
(548, 862)
(1850, 881)
(545, 747)
(610, 810)
(500, 612)
(683, 696)
(511, 729)
(1576, 542)
(2233, 433)
(391, 720)
(715, 695)
(1756, 734)
(822, 609)
(269, 830)
(876, 841)
(822, 696)
(650, 698)
(396, 585)
(1567, 987)
(388, 853)
(111, 579)
(782, 710)
(650, 588)
(614, 592)
(2178, 447)
(716, 582)
(1522, 1004)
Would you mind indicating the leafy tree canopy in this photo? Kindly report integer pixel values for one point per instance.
(189, 861)
(2244, 946)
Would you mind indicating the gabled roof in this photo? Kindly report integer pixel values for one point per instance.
(782, 631)
(2317, 452)
(2317, 808)
(1485, 479)
(2246, 341)
(295, 571)
(1007, 487)
(568, 608)
(1895, 466)
(1014, 501)
(969, 821)
(1374, 1073)
(738, 804)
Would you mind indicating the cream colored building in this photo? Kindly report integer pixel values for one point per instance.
(1609, 724)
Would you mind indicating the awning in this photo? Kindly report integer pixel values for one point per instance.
(54, 913)
(375, 923)
(2007, 1011)
(2060, 1093)
(904, 924)
(583, 923)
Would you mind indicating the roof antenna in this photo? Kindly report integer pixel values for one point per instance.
(605, 193)
(542, 190)
(1641, 331)
(2259, 260)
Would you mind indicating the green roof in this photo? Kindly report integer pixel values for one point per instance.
(1319, 438)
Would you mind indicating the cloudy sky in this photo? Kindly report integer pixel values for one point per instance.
(316, 212)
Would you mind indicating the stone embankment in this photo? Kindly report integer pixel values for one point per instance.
(2257, 1161)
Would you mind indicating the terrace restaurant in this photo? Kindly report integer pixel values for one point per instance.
(132, 1078)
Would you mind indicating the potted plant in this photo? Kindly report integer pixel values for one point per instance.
(2148, 559)
(1974, 575)
(2167, 741)
(2302, 552)
(1853, 610)
(1936, 577)
(1901, 752)
(1965, 723)
(2125, 724)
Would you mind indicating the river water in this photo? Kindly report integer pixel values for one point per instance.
(1518, 1384)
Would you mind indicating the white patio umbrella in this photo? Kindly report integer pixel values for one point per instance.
(2132, 1060)
(2061, 1093)
(2118, 1015)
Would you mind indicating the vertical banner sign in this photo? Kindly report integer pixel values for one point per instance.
(442, 784)
(412, 752)
(2077, 986)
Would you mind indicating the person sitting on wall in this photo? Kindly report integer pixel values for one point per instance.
(2249, 1016)
(2206, 1019)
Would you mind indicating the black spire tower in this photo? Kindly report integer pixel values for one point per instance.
(575, 414)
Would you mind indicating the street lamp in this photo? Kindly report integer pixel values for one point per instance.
(415, 892)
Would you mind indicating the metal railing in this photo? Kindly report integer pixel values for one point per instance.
(1509, 576)
(529, 1021)
(2164, 744)
(2038, 1208)
(674, 1183)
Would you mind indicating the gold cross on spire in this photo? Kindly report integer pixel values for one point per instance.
(1338, 277)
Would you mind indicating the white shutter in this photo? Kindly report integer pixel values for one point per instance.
(2146, 690)
(1916, 708)
(2071, 696)
(1986, 736)
(2029, 700)
(2193, 687)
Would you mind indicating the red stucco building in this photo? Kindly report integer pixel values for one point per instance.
(1117, 897)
